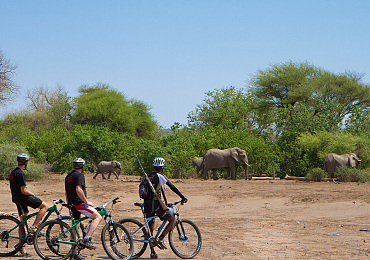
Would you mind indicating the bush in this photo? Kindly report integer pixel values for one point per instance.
(316, 174)
(346, 174)
(8, 162)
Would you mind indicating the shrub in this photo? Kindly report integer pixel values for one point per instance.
(346, 174)
(8, 155)
(316, 174)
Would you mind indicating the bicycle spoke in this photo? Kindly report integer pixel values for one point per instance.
(117, 241)
(185, 239)
(138, 236)
(11, 238)
(53, 241)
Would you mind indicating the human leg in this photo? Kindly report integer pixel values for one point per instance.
(43, 208)
(91, 213)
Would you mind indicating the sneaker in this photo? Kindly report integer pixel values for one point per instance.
(153, 255)
(23, 251)
(88, 244)
(160, 244)
(77, 256)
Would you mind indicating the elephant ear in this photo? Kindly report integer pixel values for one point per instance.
(234, 155)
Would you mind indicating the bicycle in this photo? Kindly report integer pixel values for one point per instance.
(13, 231)
(185, 238)
(55, 239)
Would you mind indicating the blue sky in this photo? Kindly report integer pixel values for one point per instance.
(170, 53)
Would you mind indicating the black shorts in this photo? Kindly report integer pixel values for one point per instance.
(150, 211)
(25, 202)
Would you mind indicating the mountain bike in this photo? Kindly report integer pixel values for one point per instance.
(55, 239)
(185, 239)
(13, 233)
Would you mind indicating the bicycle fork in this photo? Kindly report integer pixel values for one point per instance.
(181, 231)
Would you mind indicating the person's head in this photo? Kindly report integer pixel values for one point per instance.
(78, 164)
(23, 159)
(158, 164)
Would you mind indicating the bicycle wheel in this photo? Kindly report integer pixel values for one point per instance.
(185, 239)
(117, 242)
(54, 240)
(138, 237)
(11, 241)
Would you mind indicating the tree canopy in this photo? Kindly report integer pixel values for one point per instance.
(101, 105)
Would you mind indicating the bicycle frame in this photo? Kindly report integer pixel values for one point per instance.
(50, 211)
(148, 220)
(101, 210)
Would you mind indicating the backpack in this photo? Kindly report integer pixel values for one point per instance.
(145, 192)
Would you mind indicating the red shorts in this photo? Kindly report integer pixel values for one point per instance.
(85, 209)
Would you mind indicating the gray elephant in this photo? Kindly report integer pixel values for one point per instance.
(216, 159)
(109, 167)
(198, 163)
(333, 160)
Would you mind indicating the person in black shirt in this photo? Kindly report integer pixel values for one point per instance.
(22, 196)
(152, 206)
(75, 189)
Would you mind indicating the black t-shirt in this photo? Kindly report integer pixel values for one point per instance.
(72, 180)
(17, 179)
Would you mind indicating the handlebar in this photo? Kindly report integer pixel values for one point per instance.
(174, 203)
(58, 201)
(114, 201)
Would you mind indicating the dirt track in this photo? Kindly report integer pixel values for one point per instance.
(241, 219)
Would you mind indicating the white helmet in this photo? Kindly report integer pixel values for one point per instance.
(158, 162)
(78, 163)
(23, 158)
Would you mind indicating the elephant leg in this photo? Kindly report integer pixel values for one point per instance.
(103, 175)
(227, 173)
(214, 174)
(96, 174)
(205, 174)
(232, 173)
(109, 173)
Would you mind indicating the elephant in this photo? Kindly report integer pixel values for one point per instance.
(198, 163)
(216, 159)
(108, 166)
(333, 160)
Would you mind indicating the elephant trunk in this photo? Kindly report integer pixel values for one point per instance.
(246, 170)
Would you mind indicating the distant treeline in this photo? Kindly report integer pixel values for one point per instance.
(287, 119)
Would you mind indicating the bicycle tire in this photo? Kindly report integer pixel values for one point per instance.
(115, 250)
(187, 246)
(132, 225)
(53, 242)
(11, 243)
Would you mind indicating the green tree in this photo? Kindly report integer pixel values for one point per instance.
(102, 106)
(227, 108)
(324, 97)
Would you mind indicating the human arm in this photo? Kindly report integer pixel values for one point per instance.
(25, 191)
(176, 190)
(82, 196)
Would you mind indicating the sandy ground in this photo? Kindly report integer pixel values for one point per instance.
(254, 219)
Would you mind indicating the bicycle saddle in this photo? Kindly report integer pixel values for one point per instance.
(139, 204)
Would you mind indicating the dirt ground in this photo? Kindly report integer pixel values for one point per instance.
(254, 219)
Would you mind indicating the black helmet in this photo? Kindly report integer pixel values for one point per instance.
(23, 158)
(78, 163)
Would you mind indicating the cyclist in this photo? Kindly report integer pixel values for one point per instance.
(152, 206)
(23, 197)
(76, 194)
